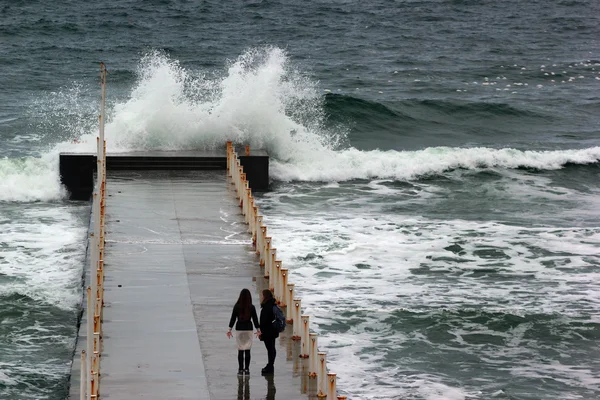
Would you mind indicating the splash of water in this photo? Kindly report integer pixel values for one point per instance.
(260, 100)
(30, 179)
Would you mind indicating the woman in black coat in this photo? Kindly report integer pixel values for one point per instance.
(245, 314)
(268, 333)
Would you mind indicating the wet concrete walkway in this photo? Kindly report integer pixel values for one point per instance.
(177, 256)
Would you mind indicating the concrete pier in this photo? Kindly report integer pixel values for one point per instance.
(177, 256)
(77, 169)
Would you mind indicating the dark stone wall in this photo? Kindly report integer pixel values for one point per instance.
(77, 170)
(77, 174)
(256, 169)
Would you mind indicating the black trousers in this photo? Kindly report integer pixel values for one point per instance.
(271, 352)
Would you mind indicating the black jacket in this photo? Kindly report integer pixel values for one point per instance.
(243, 325)
(267, 316)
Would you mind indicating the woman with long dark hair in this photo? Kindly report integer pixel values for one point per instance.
(268, 333)
(245, 314)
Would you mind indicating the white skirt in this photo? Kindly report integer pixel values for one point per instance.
(243, 339)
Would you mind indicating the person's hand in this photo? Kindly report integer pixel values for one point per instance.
(229, 334)
(258, 333)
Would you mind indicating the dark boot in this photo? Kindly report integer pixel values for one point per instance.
(268, 369)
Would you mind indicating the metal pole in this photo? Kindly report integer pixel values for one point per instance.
(322, 374)
(90, 340)
(272, 271)
(95, 249)
(260, 236)
(313, 358)
(289, 301)
(103, 100)
(331, 386)
(82, 377)
(257, 231)
(252, 217)
(229, 159)
(297, 332)
(277, 280)
(304, 350)
(241, 185)
(265, 253)
(283, 293)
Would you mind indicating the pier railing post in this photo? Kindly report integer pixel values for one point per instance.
(276, 280)
(229, 158)
(289, 302)
(260, 239)
(266, 255)
(331, 386)
(256, 229)
(82, 376)
(89, 340)
(249, 210)
(95, 292)
(247, 197)
(253, 215)
(322, 375)
(298, 323)
(272, 256)
(272, 269)
(313, 365)
(304, 336)
(240, 186)
(102, 100)
(283, 287)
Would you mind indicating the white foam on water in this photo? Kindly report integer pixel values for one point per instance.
(6, 379)
(30, 179)
(370, 265)
(43, 250)
(393, 245)
(22, 387)
(349, 164)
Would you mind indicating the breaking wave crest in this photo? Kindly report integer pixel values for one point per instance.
(260, 99)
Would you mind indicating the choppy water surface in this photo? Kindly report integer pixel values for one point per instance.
(434, 165)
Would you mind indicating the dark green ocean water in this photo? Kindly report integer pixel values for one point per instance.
(434, 163)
